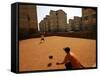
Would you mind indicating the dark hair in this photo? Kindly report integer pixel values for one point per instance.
(67, 49)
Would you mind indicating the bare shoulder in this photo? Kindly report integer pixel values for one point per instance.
(73, 54)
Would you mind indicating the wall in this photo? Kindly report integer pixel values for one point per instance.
(27, 21)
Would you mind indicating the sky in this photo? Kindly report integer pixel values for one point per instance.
(42, 11)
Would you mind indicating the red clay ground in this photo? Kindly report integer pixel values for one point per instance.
(35, 55)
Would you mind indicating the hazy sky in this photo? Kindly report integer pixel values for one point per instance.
(42, 11)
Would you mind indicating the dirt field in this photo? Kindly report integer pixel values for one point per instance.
(34, 55)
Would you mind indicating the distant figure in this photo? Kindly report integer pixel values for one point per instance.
(42, 38)
(70, 61)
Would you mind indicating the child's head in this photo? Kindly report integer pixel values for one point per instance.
(67, 49)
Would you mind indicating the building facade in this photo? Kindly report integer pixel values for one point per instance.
(77, 23)
(71, 25)
(48, 23)
(55, 22)
(61, 20)
(42, 26)
(89, 19)
(27, 20)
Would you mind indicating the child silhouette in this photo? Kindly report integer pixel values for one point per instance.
(70, 61)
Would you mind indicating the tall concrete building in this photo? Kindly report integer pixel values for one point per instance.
(89, 19)
(77, 23)
(61, 20)
(42, 26)
(55, 22)
(71, 25)
(27, 20)
(48, 23)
